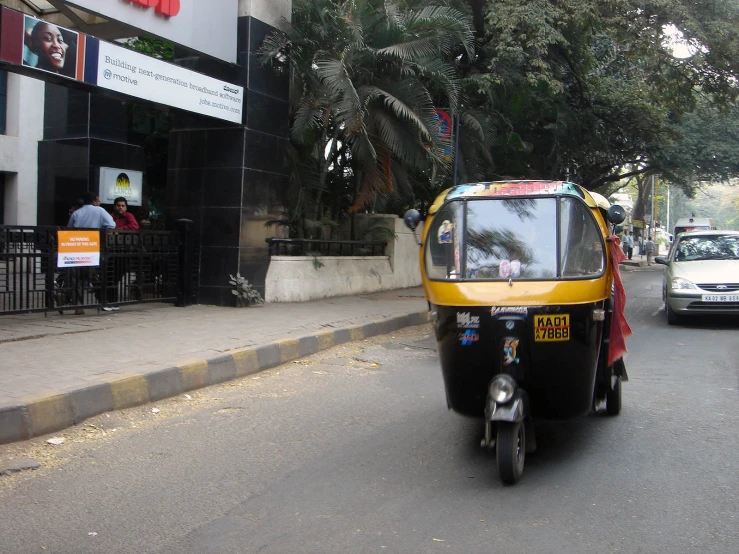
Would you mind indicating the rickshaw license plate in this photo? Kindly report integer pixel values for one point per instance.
(551, 327)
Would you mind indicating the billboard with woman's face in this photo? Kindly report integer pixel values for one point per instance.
(49, 47)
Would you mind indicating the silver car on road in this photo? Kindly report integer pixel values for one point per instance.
(702, 274)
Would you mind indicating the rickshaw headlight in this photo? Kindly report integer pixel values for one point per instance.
(502, 388)
(678, 283)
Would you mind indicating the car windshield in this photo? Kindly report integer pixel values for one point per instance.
(707, 247)
(514, 238)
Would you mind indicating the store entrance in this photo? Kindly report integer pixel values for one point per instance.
(89, 139)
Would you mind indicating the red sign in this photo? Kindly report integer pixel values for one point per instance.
(168, 8)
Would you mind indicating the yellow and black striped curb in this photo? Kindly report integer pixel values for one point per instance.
(42, 414)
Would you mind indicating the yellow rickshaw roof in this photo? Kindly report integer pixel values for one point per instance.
(519, 188)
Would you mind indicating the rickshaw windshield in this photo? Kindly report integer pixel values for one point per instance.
(544, 238)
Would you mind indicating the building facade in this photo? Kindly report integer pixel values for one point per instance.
(212, 151)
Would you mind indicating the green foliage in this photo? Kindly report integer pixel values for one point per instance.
(317, 264)
(366, 77)
(245, 293)
(578, 89)
(150, 46)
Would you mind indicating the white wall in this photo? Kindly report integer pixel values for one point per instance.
(19, 148)
(297, 279)
(268, 11)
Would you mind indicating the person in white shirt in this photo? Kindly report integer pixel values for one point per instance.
(91, 215)
(628, 244)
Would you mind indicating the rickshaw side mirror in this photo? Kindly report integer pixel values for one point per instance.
(616, 214)
(411, 219)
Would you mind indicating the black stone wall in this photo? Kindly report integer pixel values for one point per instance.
(231, 179)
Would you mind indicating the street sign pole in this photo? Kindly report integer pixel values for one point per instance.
(652, 218)
(456, 150)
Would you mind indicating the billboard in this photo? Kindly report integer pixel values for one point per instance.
(49, 47)
(208, 26)
(128, 72)
(115, 183)
(45, 48)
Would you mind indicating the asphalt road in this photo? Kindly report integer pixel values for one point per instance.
(353, 450)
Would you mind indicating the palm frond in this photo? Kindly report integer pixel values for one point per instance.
(335, 76)
(399, 109)
(412, 50)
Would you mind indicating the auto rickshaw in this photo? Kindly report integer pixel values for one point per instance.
(526, 302)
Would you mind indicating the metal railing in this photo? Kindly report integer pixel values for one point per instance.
(312, 247)
(135, 267)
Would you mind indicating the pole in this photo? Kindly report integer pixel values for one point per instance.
(456, 150)
(652, 218)
(667, 223)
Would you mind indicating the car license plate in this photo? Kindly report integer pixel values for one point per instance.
(720, 298)
(551, 327)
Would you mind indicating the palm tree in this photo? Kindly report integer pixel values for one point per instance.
(366, 78)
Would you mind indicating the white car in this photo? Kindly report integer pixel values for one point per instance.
(702, 274)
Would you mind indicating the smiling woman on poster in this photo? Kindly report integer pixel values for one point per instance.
(50, 48)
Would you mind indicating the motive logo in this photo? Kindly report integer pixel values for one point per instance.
(108, 74)
(167, 8)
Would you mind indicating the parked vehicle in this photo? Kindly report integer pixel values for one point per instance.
(702, 274)
(520, 280)
(694, 224)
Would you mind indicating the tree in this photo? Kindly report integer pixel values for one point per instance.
(579, 89)
(366, 78)
(591, 87)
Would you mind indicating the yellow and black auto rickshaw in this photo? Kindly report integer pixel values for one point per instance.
(527, 306)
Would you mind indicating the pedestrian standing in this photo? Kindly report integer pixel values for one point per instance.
(628, 244)
(649, 248)
(89, 216)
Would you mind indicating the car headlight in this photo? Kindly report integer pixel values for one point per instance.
(678, 283)
(501, 388)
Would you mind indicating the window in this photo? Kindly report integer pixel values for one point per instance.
(3, 100)
(545, 238)
(443, 245)
(716, 247)
(511, 238)
(580, 239)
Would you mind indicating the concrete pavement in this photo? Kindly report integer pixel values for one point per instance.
(58, 370)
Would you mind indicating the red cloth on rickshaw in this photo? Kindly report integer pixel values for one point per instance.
(620, 329)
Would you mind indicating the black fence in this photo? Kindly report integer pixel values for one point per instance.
(135, 267)
(311, 247)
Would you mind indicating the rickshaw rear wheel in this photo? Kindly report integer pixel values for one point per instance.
(510, 451)
(613, 398)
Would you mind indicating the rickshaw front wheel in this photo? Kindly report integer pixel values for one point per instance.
(613, 397)
(510, 451)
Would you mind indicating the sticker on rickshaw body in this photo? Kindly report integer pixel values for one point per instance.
(469, 337)
(465, 320)
(510, 347)
(551, 328)
(497, 311)
(513, 188)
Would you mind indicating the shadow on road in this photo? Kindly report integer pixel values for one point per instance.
(561, 446)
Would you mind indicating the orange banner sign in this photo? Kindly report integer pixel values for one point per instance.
(78, 248)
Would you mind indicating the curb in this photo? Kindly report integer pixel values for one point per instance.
(39, 415)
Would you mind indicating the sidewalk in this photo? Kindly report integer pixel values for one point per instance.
(58, 370)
